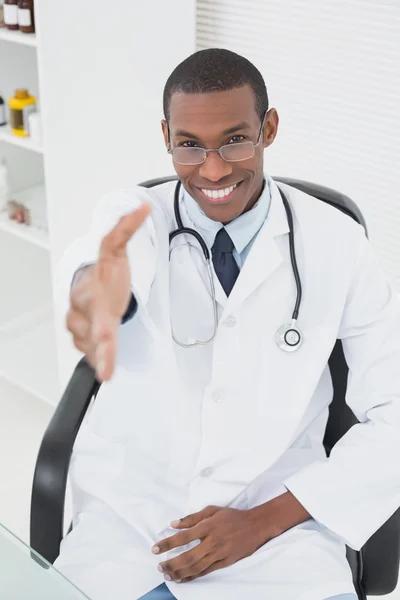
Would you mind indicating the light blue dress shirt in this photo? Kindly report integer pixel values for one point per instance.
(242, 231)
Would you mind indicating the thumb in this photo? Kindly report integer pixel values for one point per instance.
(195, 518)
(114, 243)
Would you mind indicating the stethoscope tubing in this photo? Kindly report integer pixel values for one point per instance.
(299, 292)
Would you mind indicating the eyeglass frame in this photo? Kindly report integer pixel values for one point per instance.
(170, 150)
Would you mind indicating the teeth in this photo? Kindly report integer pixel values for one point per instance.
(214, 194)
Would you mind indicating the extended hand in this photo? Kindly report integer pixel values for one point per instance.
(227, 535)
(100, 296)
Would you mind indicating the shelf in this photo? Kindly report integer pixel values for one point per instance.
(35, 200)
(26, 232)
(22, 142)
(28, 359)
(16, 37)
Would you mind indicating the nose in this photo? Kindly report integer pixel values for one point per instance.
(214, 167)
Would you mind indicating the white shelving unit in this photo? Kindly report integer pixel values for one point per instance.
(82, 72)
(36, 233)
(29, 359)
(22, 142)
(28, 356)
(26, 39)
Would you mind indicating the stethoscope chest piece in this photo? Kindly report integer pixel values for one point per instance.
(289, 338)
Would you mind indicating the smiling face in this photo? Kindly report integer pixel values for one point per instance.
(223, 190)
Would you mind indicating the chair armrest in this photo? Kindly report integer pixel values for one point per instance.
(381, 558)
(52, 465)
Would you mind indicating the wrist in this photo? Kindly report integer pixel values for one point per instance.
(279, 514)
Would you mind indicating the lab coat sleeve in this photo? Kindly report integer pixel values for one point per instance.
(85, 250)
(357, 489)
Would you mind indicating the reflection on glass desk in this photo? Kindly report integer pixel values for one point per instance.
(24, 575)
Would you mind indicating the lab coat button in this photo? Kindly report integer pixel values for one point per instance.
(207, 472)
(218, 396)
(230, 321)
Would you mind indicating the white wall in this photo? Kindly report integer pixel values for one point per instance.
(333, 72)
(102, 68)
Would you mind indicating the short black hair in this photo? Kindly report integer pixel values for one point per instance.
(215, 70)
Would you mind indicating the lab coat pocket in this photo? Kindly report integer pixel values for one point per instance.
(96, 461)
(288, 380)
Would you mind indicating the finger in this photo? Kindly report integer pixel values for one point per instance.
(189, 564)
(195, 518)
(179, 539)
(81, 344)
(116, 240)
(80, 298)
(78, 325)
(105, 354)
(219, 564)
(189, 520)
(104, 341)
(90, 358)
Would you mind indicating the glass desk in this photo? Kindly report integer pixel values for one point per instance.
(24, 575)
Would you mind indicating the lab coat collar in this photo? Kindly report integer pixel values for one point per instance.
(264, 256)
(241, 231)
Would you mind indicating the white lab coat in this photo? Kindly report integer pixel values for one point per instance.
(237, 422)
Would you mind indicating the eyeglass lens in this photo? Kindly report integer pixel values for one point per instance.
(230, 153)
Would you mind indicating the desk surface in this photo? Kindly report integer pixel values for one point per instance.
(24, 575)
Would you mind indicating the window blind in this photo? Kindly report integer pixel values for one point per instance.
(332, 70)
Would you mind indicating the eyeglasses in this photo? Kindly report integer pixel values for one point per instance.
(230, 152)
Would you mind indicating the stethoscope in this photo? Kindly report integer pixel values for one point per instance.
(288, 337)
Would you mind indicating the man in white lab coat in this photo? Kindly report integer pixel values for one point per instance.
(204, 467)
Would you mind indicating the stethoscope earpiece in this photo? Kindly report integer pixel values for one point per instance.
(289, 337)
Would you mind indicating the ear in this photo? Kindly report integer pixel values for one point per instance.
(270, 127)
(164, 126)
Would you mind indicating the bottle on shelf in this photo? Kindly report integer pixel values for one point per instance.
(11, 14)
(21, 106)
(4, 187)
(2, 24)
(26, 16)
(35, 127)
(2, 112)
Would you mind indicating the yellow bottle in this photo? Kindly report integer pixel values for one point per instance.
(21, 106)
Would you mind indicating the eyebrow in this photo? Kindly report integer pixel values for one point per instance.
(239, 127)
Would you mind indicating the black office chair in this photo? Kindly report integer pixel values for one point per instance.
(375, 568)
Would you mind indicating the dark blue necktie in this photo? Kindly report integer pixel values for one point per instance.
(224, 263)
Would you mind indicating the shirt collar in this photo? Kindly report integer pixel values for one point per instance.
(241, 230)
